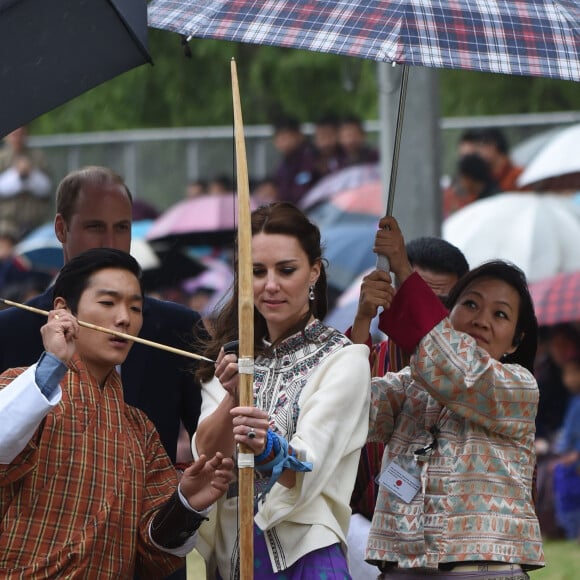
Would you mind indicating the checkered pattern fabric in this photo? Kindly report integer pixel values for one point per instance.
(557, 299)
(520, 37)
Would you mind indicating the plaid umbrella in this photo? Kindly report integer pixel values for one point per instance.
(557, 299)
(523, 37)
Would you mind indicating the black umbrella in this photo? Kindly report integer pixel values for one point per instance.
(174, 266)
(54, 50)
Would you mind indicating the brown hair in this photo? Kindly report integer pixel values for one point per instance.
(71, 185)
(276, 218)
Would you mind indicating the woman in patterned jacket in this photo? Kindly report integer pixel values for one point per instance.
(455, 490)
(310, 419)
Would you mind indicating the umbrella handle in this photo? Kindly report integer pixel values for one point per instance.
(383, 263)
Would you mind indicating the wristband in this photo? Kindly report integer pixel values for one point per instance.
(267, 449)
(284, 459)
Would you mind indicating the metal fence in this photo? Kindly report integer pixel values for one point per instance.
(158, 163)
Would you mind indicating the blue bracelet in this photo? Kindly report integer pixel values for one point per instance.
(283, 460)
(268, 448)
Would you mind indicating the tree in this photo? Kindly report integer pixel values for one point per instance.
(179, 91)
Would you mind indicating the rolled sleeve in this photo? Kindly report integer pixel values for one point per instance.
(415, 310)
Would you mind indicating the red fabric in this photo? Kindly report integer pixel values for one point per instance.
(415, 310)
(507, 177)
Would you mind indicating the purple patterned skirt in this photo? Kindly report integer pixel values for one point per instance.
(323, 564)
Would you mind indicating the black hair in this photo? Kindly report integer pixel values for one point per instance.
(437, 255)
(286, 123)
(495, 136)
(470, 136)
(526, 333)
(476, 167)
(352, 120)
(74, 276)
(328, 120)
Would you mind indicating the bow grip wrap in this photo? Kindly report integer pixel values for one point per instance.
(174, 524)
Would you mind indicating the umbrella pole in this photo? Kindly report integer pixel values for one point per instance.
(246, 333)
(382, 261)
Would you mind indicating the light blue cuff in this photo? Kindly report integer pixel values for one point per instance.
(50, 370)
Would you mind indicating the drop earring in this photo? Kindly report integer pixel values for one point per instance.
(311, 295)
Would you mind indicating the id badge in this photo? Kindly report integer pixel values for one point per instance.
(400, 482)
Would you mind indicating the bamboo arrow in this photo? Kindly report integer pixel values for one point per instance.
(113, 332)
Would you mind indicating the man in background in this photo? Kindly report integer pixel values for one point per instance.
(352, 138)
(25, 184)
(297, 171)
(494, 148)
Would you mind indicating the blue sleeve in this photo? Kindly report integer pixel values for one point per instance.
(50, 370)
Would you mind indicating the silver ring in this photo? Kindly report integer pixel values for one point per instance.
(251, 434)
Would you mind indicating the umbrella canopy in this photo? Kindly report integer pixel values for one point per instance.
(54, 51)
(536, 38)
(217, 280)
(540, 233)
(348, 249)
(342, 315)
(557, 299)
(362, 204)
(556, 158)
(42, 249)
(339, 181)
(164, 267)
(524, 151)
(205, 220)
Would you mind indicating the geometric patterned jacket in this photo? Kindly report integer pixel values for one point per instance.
(474, 501)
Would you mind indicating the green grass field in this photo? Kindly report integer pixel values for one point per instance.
(562, 561)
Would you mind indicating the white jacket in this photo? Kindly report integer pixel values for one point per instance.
(330, 380)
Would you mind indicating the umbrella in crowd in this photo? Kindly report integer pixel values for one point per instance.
(557, 299)
(162, 266)
(205, 220)
(362, 204)
(215, 281)
(348, 249)
(556, 164)
(339, 181)
(540, 233)
(342, 314)
(42, 249)
(524, 151)
(537, 38)
(55, 51)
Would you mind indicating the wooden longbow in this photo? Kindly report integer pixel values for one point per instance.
(246, 336)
